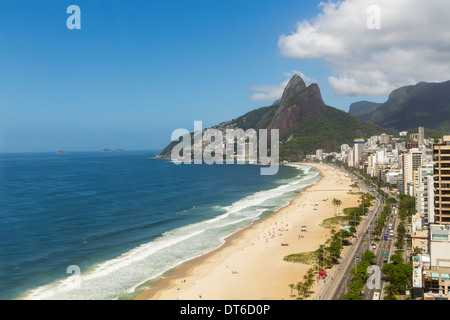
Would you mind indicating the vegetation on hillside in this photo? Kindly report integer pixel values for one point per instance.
(327, 131)
(424, 104)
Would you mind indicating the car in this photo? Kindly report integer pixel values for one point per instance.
(385, 259)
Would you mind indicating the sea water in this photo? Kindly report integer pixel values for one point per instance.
(104, 225)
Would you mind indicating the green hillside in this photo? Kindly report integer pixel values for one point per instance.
(328, 131)
(422, 105)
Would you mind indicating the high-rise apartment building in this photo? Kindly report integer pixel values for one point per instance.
(441, 157)
(411, 161)
(319, 154)
(421, 136)
(424, 196)
(359, 148)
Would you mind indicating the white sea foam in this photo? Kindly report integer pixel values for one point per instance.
(113, 278)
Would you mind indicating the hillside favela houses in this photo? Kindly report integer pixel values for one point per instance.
(419, 167)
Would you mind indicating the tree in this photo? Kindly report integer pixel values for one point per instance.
(396, 259)
(302, 289)
(436, 139)
(336, 203)
(353, 215)
(398, 274)
(351, 295)
(401, 228)
(416, 251)
(345, 235)
(298, 287)
(400, 243)
(291, 286)
(310, 277)
(390, 292)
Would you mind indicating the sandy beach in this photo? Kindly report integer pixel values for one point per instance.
(250, 265)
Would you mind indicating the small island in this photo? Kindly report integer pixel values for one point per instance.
(109, 150)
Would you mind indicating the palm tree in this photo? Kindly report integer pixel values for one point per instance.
(304, 289)
(309, 277)
(291, 286)
(310, 273)
(336, 203)
(299, 288)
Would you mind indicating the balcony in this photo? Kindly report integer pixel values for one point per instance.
(440, 189)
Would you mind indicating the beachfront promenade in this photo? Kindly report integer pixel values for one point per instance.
(336, 283)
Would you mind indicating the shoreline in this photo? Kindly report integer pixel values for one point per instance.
(235, 270)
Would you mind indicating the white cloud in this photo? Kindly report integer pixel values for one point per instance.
(412, 44)
(268, 92)
(274, 92)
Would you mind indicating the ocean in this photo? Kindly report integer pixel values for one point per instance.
(105, 225)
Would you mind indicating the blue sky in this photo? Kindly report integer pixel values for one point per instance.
(137, 70)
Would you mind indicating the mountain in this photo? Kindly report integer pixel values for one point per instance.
(424, 104)
(360, 108)
(297, 106)
(304, 121)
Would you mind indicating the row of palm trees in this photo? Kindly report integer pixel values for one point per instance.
(334, 250)
(304, 287)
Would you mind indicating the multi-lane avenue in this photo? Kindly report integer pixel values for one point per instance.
(337, 282)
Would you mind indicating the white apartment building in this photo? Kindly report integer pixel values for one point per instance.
(319, 154)
(411, 161)
(424, 195)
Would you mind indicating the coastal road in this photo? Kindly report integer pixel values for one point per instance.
(337, 282)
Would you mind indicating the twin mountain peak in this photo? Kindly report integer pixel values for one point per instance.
(304, 121)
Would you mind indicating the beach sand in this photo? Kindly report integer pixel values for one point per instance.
(250, 265)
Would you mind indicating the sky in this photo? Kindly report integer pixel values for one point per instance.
(138, 70)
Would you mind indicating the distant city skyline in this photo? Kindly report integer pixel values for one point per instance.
(137, 70)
